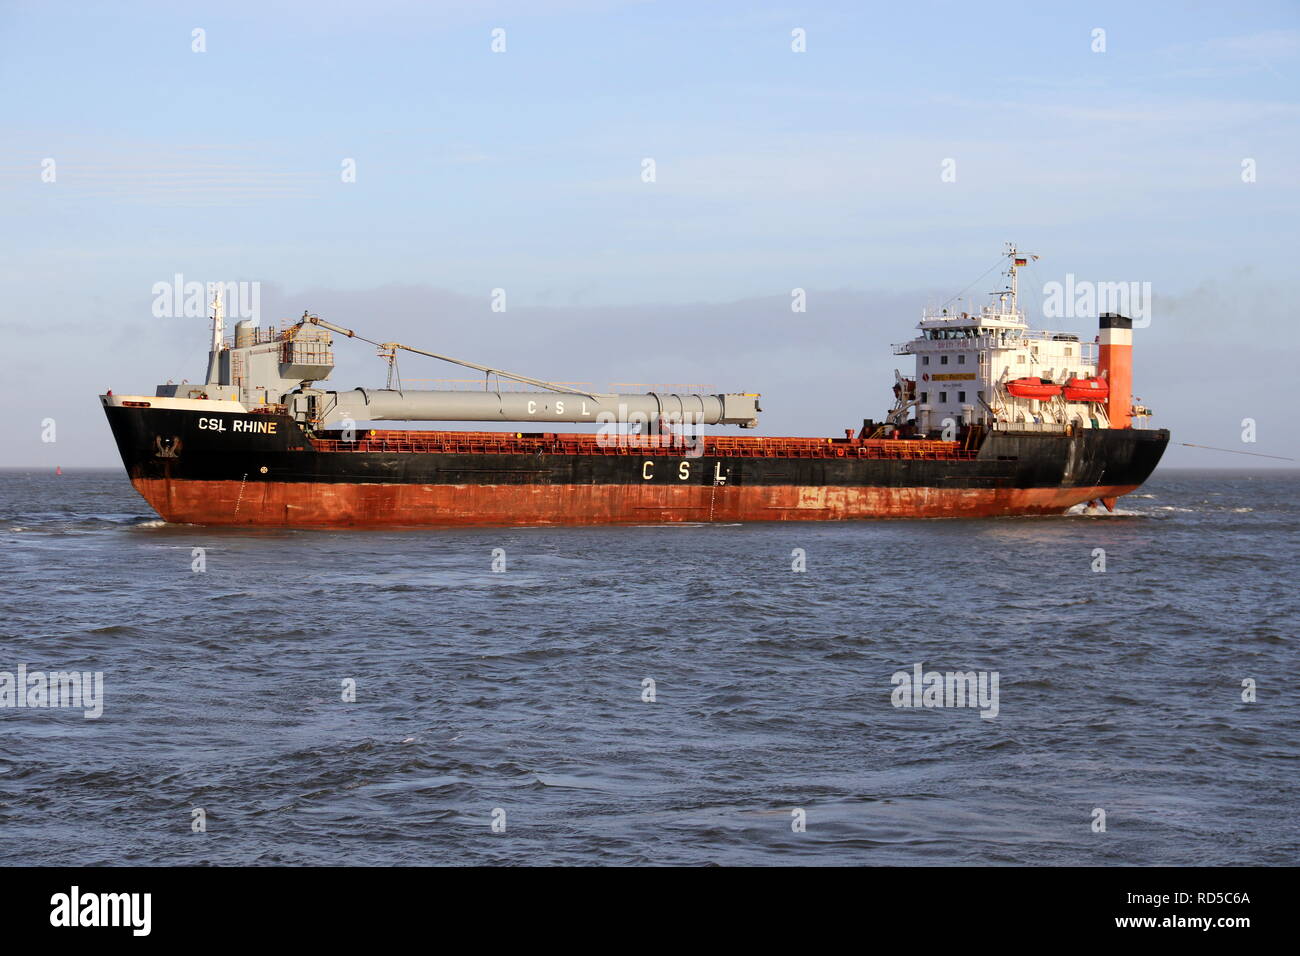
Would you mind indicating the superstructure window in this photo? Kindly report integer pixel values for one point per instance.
(925, 397)
(925, 360)
(961, 359)
(943, 397)
(943, 360)
(961, 396)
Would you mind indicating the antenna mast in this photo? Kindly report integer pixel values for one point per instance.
(218, 335)
(1017, 260)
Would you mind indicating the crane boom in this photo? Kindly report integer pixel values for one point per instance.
(550, 386)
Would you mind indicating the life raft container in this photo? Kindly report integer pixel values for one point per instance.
(1032, 388)
(1087, 390)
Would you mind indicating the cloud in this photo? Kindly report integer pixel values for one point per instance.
(1274, 44)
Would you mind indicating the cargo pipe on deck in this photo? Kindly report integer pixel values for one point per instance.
(365, 405)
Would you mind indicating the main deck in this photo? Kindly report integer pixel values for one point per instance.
(419, 441)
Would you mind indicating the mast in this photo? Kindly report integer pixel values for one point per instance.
(1017, 259)
(1011, 253)
(218, 336)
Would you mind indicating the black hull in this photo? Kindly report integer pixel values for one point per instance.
(171, 453)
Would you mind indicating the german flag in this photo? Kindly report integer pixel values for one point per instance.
(1022, 262)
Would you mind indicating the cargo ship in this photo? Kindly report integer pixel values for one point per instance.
(996, 419)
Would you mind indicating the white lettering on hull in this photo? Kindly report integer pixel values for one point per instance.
(243, 426)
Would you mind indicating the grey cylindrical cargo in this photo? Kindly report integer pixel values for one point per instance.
(365, 405)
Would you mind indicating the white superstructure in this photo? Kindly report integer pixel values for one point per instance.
(964, 361)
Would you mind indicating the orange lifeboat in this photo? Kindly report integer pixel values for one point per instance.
(1032, 388)
(1087, 390)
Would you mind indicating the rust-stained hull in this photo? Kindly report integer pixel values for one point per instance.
(371, 505)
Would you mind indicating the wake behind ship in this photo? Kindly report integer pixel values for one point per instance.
(997, 419)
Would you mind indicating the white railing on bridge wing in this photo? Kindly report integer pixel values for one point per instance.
(987, 312)
(996, 342)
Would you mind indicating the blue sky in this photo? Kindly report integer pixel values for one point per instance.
(521, 170)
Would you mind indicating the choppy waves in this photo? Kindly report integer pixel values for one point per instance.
(626, 695)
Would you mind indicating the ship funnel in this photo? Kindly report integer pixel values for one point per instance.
(1115, 362)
